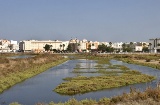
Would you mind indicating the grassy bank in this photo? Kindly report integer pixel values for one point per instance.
(150, 60)
(16, 70)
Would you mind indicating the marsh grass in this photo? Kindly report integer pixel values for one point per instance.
(83, 84)
(22, 69)
(156, 66)
(147, 57)
(112, 76)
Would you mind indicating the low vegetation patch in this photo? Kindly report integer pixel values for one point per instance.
(150, 60)
(82, 84)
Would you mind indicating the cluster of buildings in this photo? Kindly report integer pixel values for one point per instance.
(76, 45)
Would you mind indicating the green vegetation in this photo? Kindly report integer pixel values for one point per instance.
(111, 76)
(82, 84)
(105, 48)
(147, 60)
(48, 47)
(16, 70)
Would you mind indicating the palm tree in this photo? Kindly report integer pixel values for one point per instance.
(144, 44)
(60, 46)
(110, 43)
(89, 47)
(131, 46)
(131, 43)
(63, 46)
(150, 44)
(124, 47)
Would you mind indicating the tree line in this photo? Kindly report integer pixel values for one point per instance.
(101, 48)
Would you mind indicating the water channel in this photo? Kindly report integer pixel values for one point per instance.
(40, 88)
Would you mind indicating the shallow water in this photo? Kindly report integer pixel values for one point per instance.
(40, 88)
(21, 56)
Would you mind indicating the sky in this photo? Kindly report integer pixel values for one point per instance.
(94, 20)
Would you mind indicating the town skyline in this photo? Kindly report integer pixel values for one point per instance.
(74, 38)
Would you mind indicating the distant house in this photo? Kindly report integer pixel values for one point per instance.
(154, 45)
(4, 45)
(14, 46)
(92, 46)
(117, 46)
(138, 47)
(82, 45)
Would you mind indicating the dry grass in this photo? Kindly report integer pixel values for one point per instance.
(17, 70)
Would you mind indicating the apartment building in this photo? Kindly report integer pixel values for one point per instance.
(82, 46)
(38, 46)
(92, 45)
(154, 45)
(14, 46)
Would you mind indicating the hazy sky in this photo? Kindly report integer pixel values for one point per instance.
(96, 20)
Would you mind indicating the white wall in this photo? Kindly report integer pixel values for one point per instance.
(138, 48)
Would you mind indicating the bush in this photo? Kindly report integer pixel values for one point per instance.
(148, 60)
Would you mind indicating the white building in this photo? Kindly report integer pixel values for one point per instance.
(85, 45)
(154, 45)
(38, 46)
(65, 45)
(14, 46)
(105, 43)
(138, 48)
(82, 45)
(4, 45)
(117, 45)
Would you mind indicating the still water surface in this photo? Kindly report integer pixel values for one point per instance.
(21, 56)
(40, 88)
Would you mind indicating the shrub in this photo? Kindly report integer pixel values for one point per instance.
(148, 60)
